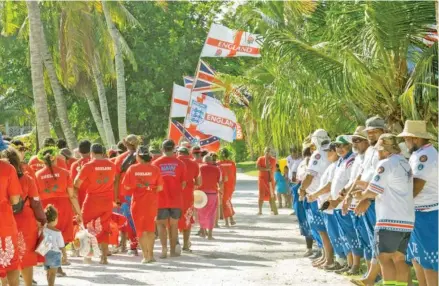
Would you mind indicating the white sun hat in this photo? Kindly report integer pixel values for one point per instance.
(200, 199)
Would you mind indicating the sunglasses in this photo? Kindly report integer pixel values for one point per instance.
(339, 145)
(357, 140)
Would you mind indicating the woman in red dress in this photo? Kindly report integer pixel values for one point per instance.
(56, 187)
(143, 181)
(228, 171)
(10, 191)
(26, 221)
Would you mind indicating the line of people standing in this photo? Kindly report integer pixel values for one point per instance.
(151, 193)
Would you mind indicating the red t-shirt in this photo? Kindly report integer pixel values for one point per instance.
(210, 177)
(173, 172)
(9, 186)
(142, 179)
(192, 170)
(27, 170)
(69, 163)
(262, 163)
(28, 187)
(228, 168)
(56, 185)
(77, 166)
(99, 176)
(37, 165)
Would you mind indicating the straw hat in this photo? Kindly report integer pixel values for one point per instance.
(360, 132)
(200, 199)
(416, 128)
(387, 142)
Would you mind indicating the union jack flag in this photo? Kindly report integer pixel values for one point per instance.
(188, 81)
(205, 81)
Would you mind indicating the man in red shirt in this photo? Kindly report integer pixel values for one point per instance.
(84, 151)
(192, 181)
(196, 154)
(37, 165)
(98, 204)
(170, 200)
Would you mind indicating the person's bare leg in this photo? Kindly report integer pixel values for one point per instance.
(209, 235)
(143, 240)
(372, 274)
(150, 237)
(27, 274)
(123, 241)
(232, 221)
(388, 268)
(104, 255)
(173, 232)
(13, 279)
(431, 276)
(329, 252)
(355, 264)
(4, 281)
(64, 260)
(163, 235)
(51, 275)
(186, 238)
(401, 267)
(260, 203)
(420, 275)
(279, 198)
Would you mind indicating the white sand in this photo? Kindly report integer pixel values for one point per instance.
(259, 250)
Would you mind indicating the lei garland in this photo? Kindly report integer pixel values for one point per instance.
(52, 150)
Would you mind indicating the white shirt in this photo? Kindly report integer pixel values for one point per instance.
(393, 182)
(424, 167)
(326, 178)
(369, 164)
(292, 164)
(55, 237)
(301, 170)
(316, 167)
(355, 172)
(342, 174)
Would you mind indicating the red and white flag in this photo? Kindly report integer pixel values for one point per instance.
(224, 42)
(180, 101)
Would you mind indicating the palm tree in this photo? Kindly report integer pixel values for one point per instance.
(40, 97)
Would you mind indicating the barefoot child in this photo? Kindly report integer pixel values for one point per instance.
(281, 186)
(53, 256)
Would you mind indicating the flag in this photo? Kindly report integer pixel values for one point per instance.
(188, 81)
(224, 42)
(180, 101)
(238, 132)
(211, 117)
(205, 81)
(196, 138)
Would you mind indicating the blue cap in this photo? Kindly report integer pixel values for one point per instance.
(3, 144)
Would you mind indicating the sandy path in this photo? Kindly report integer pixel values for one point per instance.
(259, 250)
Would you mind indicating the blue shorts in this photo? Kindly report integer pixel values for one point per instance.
(52, 259)
(334, 234)
(300, 214)
(369, 221)
(315, 220)
(423, 244)
(362, 235)
(348, 234)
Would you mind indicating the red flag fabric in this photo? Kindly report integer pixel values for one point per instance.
(177, 131)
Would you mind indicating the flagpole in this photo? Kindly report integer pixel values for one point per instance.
(170, 111)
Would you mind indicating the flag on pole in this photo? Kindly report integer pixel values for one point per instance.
(188, 81)
(196, 138)
(180, 101)
(224, 42)
(209, 116)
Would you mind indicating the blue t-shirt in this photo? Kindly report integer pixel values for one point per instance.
(281, 184)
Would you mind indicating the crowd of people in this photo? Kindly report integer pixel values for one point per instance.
(131, 193)
(365, 196)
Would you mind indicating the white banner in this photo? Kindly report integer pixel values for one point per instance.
(180, 100)
(224, 42)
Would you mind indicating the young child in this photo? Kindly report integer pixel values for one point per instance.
(53, 256)
(288, 197)
(281, 185)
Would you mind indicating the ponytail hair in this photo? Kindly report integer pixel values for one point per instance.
(144, 154)
(48, 155)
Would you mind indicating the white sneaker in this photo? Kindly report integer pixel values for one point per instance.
(178, 249)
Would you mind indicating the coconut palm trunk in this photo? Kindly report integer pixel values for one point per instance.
(60, 103)
(96, 116)
(104, 106)
(40, 97)
(120, 74)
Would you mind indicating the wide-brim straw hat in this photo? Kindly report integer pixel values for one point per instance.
(416, 128)
(200, 199)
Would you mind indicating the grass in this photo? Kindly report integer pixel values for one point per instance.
(248, 168)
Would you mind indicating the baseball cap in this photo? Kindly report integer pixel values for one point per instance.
(183, 149)
(97, 148)
(360, 132)
(375, 122)
(196, 150)
(132, 139)
(388, 142)
(342, 139)
(142, 151)
(329, 147)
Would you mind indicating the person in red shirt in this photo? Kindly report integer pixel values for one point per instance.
(170, 200)
(196, 154)
(266, 165)
(123, 162)
(26, 221)
(10, 201)
(55, 186)
(18, 145)
(210, 184)
(98, 204)
(84, 151)
(228, 171)
(143, 181)
(36, 164)
(193, 180)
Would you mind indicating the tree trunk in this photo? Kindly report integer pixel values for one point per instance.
(40, 97)
(96, 116)
(104, 106)
(120, 75)
(60, 103)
